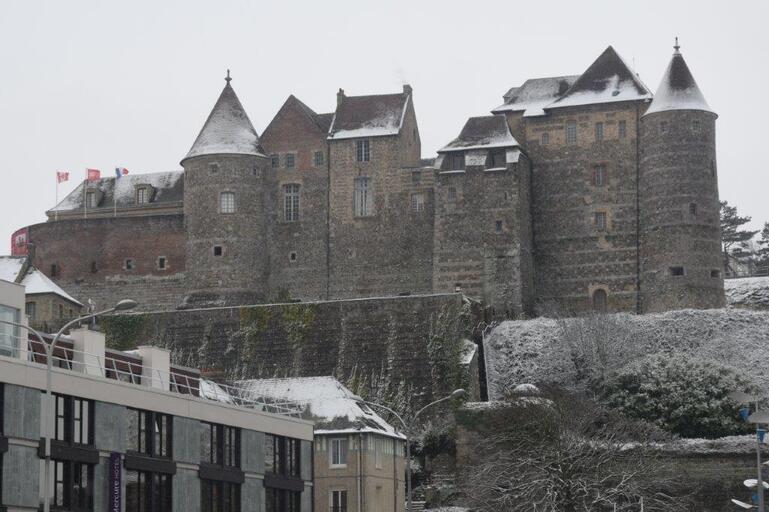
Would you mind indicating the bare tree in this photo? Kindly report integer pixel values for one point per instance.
(570, 460)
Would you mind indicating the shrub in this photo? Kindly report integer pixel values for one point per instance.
(679, 394)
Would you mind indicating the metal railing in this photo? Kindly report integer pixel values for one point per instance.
(129, 369)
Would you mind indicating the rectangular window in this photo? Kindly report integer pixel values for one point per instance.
(416, 177)
(339, 501)
(498, 159)
(545, 139)
(90, 199)
(150, 433)
(599, 220)
(452, 194)
(290, 160)
(571, 132)
(220, 445)
(599, 176)
(161, 262)
(457, 161)
(147, 491)
(218, 250)
(274, 161)
(318, 158)
(362, 151)
(676, 271)
(73, 420)
(715, 273)
(498, 226)
(598, 132)
(128, 264)
(71, 485)
(30, 309)
(378, 453)
(281, 455)
(418, 202)
(622, 127)
(141, 195)
(281, 500)
(227, 202)
(216, 496)
(362, 198)
(291, 202)
(693, 209)
(339, 448)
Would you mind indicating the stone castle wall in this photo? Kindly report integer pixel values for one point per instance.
(405, 349)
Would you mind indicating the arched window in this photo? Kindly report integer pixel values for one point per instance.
(227, 202)
(599, 300)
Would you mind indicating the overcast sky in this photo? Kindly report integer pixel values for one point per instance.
(104, 84)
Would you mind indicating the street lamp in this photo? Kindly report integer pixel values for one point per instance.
(122, 305)
(457, 393)
(758, 419)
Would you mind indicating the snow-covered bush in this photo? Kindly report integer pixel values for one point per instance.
(680, 394)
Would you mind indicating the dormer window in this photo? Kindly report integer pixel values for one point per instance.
(90, 199)
(497, 159)
(141, 195)
(457, 162)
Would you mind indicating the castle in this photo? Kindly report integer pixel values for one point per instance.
(577, 193)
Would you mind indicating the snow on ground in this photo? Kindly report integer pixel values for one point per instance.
(532, 351)
(747, 292)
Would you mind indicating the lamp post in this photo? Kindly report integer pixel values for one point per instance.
(757, 419)
(457, 393)
(122, 305)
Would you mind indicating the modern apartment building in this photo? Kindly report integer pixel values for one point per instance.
(134, 433)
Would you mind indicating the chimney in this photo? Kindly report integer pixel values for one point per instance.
(407, 89)
(88, 355)
(339, 97)
(156, 366)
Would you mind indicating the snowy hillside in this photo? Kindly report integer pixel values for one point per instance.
(748, 292)
(536, 351)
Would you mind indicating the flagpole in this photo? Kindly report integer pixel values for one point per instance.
(114, 196)
(85, 196)
(55, 209)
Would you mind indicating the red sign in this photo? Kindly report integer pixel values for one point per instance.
(19, 242)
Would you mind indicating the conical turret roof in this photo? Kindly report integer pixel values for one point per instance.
(228, 130)
(678, 89)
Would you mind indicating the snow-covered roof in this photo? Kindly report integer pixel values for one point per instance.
(167, 187)
(228, 130)
(608, 79)
(369, 116)
(483, 132)
(333, 407)
(678, 89)
(34, 281)
(535, 94)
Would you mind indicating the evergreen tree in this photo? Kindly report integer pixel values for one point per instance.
(763, 250)
(733, 237)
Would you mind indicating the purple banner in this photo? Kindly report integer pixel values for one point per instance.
(115, 478)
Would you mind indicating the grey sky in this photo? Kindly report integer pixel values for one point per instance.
(105, 84)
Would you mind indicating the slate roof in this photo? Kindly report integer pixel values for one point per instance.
(678, 90)
(481, 133)
(228, 130)
(534, 94)
(608, 79)
(369, 116)
(34, 281)
(169, 188)
(333, 407)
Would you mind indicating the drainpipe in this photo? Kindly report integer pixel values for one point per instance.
(395, 475)
(637, 210)
(328, 219)
(360, 472)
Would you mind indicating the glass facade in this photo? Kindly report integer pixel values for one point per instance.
(9, 334)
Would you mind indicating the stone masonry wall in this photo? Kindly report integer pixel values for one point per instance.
(408, 347)
(90, 256)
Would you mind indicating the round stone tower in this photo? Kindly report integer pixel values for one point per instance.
(680, 233)
(224, 214)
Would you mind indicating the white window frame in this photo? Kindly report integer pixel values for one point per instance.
(417, 202)
(291, 202)
(599, 176)
(335, 450)
(601, 221)
(545, 139)
(142, 197)
(332, 498)
(227, 205)
(292, 157)
(319, 158)
(622, 129)
(599, 131)
(362, 197)
(571, 132)
(362, 150)
(90, 199)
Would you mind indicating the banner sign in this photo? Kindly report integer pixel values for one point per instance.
(115, 482)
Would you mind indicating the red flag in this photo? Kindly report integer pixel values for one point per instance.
(93, 174)
(62, 176)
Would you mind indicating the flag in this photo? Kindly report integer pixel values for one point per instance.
(93, 174)
(62, 176)
(120, 172)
